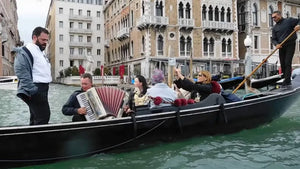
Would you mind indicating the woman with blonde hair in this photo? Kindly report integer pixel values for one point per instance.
(202, 88)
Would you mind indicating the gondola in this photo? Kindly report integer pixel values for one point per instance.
(28, 145)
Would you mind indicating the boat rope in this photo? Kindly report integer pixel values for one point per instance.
(179, 120)
(88, 153)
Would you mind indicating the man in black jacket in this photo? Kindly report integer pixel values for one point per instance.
(72, 106)
(282, 29)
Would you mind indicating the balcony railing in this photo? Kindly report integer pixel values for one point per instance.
(186, 23)
(123, 33)
(219, 25)
(81, 44)
(80, 18)
(84, 31)
(77, 57)
(152, 20)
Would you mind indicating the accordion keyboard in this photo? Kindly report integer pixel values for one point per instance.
(83, 102)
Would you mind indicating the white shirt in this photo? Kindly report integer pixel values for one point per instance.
(41, 71)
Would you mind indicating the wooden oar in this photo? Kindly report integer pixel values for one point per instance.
(263, 62)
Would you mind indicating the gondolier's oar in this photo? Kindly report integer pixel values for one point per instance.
(263, 62)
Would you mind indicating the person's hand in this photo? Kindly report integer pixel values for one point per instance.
(125, 108)
(278, 46)
(297, 28)
(178, 73)
(81, 111)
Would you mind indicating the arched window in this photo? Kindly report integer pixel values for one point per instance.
(182, 46)
(255, 17)
(205, 47)
(229, 46)
(180, 10)
(211, 46)
(224, 47)
(159, 8)
(222, 14)
(216, 13)
(242, 19)
(271, 10)
(204, 12)
(143, 7)
(210, 13)
(228, 15)
(160, 45)
(188, 45)
(188, 11)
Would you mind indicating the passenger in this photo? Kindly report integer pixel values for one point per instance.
(138, 97)
(203, 87)
(161, 94)
(72, 107)
(249, 88)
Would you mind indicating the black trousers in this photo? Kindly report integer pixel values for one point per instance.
(39, 106)
(286, 54)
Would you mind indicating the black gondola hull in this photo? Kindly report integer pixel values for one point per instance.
(46, 143)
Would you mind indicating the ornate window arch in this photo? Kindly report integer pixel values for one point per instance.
(210, 13)
(217, 13)
(271, 10)
(255, 15)
(160, 45)
(204, 11)
(242, 18)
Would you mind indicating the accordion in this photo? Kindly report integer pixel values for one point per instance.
(102, 102)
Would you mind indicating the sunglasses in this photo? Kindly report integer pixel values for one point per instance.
(201, 75)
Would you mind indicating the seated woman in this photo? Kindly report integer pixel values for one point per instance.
(138, 97)
(161, 94)
(203, 87)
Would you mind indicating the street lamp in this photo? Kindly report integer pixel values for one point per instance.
(248, 59)
(247, 41)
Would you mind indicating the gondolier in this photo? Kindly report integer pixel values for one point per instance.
(282, 29)
(33, 70)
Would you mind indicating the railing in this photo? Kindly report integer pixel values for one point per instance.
(218, 25)
(152, 20)
(123, 33)
(77, 56)
(80, 17)
(85, 31)
(97, 80)
(186, 22)
(86, 44)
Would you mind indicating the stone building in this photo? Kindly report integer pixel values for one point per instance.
(255, 20)
(76, 32)
(9, 36)
(144, 34)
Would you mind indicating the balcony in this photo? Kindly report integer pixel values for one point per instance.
(123, 34)
(80, 18)
(219, 26)
(81, 44)
(149, 20)
(186, 23)
(81, 31)
(77, 57)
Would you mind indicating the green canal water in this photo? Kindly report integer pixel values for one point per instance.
(271, 146)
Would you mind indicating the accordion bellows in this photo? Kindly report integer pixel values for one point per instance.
(104, 101)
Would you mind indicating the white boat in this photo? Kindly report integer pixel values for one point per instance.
(8, 82)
